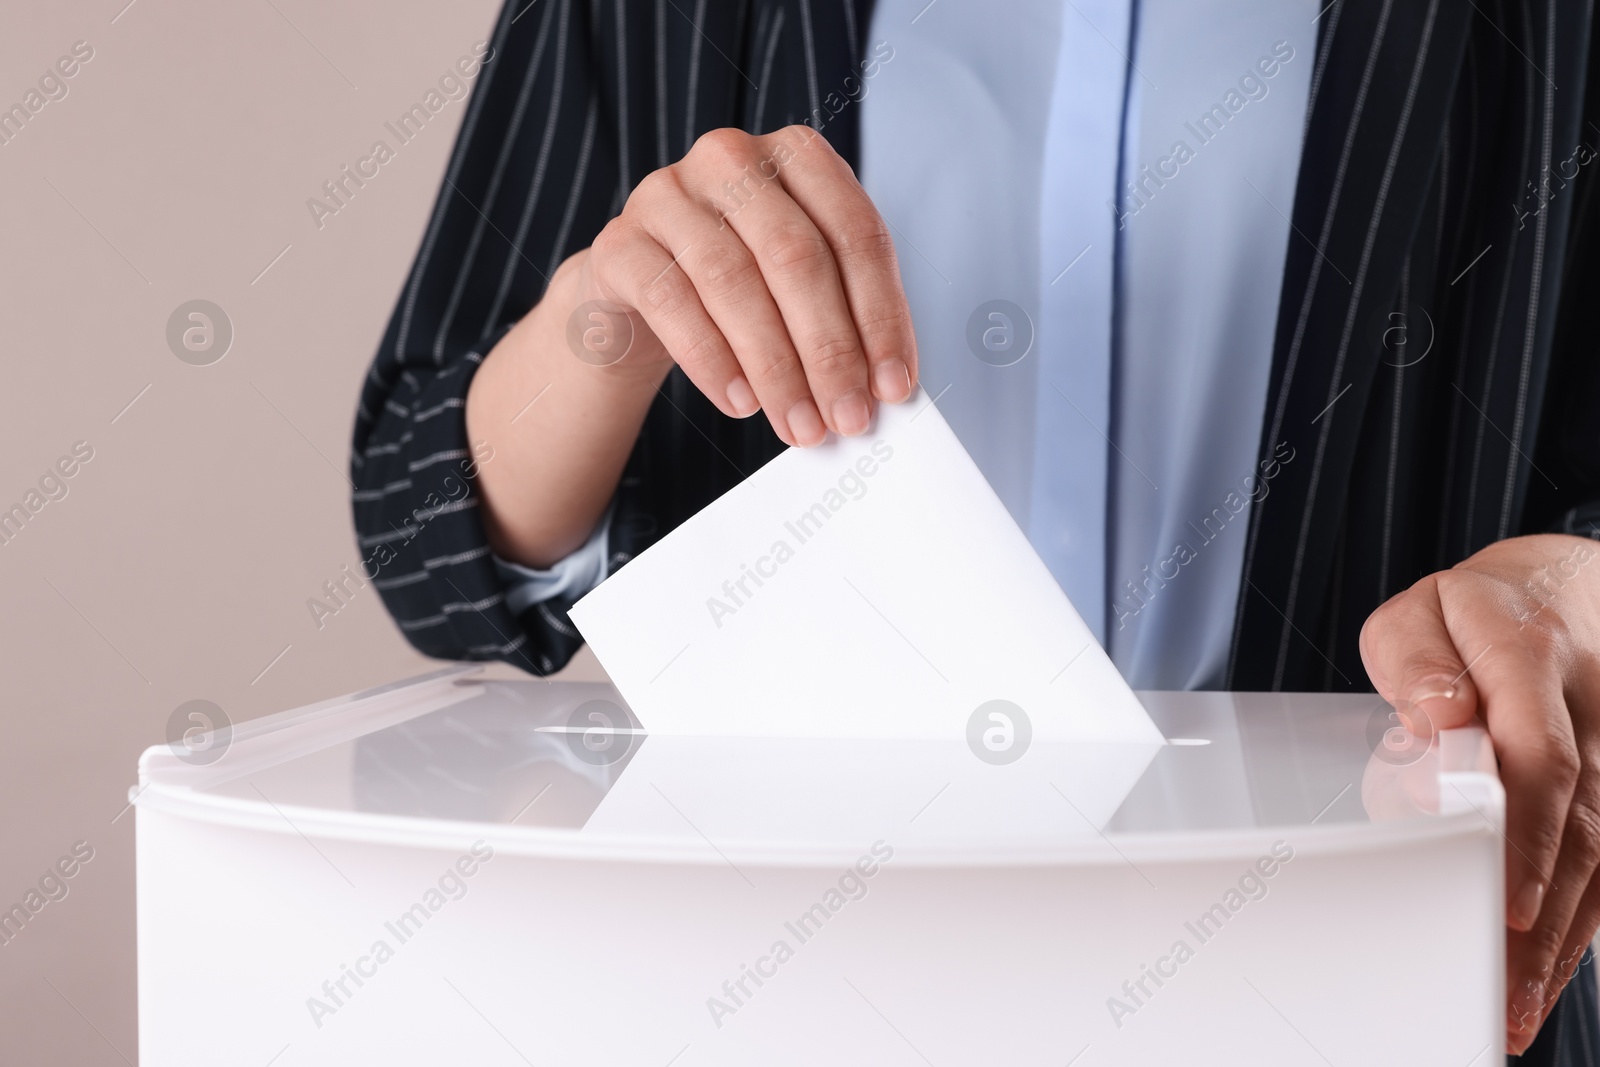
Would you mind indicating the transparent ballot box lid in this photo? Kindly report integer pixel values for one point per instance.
(563, 769)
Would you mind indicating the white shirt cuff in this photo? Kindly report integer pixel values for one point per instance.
(570, 577)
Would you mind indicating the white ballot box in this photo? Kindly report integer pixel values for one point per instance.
(461, 870)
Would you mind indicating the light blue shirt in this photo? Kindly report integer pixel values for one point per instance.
(1200, 267)
(1094, 306)
(1152, 294)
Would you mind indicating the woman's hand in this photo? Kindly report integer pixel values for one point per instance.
(1513, 634)
(760, 266)
(757, 264)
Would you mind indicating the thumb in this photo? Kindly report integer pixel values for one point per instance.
(1415, 665)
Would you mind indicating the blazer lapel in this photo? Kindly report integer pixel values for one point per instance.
(1381, 93)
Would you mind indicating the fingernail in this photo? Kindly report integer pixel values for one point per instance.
(805, 424)
(850, 413)
(1413, 709)
(1526, 904)
(1434, 687)
(891, 381)
(741, 398)
(1518, 1036)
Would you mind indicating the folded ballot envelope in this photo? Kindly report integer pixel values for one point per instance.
(458, 869)
(871, 587)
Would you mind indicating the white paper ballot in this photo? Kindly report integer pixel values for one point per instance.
(872, 586)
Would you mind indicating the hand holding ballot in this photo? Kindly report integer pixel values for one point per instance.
(755, 263)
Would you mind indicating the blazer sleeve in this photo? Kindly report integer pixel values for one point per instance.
(530, 179)
(562, 123)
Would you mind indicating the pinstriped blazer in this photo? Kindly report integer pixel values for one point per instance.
(1434, 359)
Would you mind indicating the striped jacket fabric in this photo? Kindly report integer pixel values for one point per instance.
(1434, 365)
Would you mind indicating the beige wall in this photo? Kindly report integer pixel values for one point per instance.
(178, 565)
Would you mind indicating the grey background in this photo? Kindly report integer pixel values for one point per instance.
(178, 565)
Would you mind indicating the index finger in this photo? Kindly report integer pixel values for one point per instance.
(826, 189)
(1414, 662)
